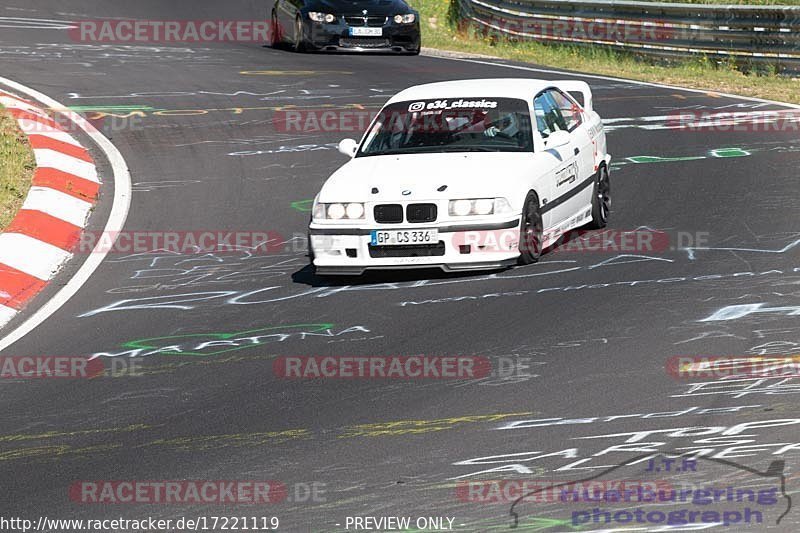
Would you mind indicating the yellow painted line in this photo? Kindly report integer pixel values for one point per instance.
(406, 427)
(56, 434)
(291, 72)
(204, 442)
(51, 452)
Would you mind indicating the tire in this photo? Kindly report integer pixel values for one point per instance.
(531, 231)
(299, 43)
(275, 33)
(601, 199)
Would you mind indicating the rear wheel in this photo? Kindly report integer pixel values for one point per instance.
(531, 231)
(601, 199)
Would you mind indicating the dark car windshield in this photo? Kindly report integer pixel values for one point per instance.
(450, 125)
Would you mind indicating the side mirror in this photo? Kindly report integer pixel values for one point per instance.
(348, 147)
(557, 139)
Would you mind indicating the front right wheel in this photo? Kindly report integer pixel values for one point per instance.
(531, 231)
(299, 43)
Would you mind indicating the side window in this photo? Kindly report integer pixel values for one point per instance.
(548, 114)
(570, 111)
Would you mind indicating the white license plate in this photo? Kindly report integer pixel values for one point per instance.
(366, 32)
(404, 237)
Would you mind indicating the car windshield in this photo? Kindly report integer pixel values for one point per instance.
(450, 125)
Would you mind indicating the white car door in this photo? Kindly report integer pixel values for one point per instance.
(584, 148)
(560, 144)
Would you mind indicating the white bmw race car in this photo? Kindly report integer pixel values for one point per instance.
(472, 174)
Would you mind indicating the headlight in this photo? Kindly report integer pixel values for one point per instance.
(405, 19)
(354, 211)
(338, 211)
(316, 16)
(479, 206)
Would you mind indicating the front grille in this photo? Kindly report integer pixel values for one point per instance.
(421, 212)
(370, 20)
(388, 213)
(411, 250)
(363, 42)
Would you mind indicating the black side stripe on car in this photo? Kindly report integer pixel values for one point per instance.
(569, 194)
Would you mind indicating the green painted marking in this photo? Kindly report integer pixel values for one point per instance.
(151, 344)
(304, 206)
(658, 159)
(729, 152)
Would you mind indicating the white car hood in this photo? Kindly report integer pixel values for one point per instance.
(466, 175)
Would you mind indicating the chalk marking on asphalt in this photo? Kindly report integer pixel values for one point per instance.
(114, 224)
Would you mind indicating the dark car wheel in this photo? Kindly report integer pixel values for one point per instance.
(275, 31)
(299, 43)
(601, 199)
(531, 231)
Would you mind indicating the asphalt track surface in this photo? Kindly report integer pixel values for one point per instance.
(595, 340)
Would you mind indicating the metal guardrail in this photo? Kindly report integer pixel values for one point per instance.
(744, 34)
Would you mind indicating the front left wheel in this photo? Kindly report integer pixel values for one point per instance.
(531, 231)
(275, 34)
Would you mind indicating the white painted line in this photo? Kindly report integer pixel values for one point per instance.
(58, 204)
(32, 256)
(6, 314)
(115, 223)
(46, 158)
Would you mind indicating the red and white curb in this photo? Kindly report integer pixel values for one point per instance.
(46, 229)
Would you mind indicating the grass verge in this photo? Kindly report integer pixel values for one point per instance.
(16, 168)
(439, 31)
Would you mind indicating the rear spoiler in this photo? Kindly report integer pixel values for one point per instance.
(572, 86)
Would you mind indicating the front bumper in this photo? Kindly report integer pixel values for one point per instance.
(348, 250)
(402, 38)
